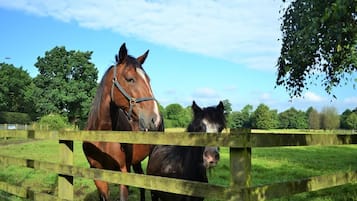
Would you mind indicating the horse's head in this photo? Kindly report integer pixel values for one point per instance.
(132, 93)
(209, 120)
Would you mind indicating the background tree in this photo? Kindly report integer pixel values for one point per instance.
(227, 111)
(343, 119)
(293, 119)
(227, 107)
(66, 83)
(352, 121)
(177, 116)
(161, 109)
(241, 119)
(264, 118)
(274, 122)
(319, 39)
(246, 116)
(330, 118)
(235, 120)
(313, 118)
(14, 86)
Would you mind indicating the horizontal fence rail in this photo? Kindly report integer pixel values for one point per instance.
(235, 139)
(239, 141)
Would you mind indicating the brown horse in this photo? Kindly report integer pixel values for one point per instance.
(124, 101)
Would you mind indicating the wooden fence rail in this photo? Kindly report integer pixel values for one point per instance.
(240, 143)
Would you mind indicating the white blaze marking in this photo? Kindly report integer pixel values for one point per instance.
(210, 128)
(142, 74)
(208, 160)
(156, 108)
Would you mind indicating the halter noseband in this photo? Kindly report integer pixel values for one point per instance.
(132, 100)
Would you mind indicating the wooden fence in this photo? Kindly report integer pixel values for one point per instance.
(15, 127)
(24, 127)
(240, 143)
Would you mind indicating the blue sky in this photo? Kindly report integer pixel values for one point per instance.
(199, 50)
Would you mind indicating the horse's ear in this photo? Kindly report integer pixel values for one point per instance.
(142, 58)
(195, 108)
(220, 106)
(123, 53)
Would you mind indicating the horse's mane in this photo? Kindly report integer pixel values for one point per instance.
(95, 108)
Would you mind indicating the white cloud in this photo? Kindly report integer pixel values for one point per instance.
(350, 100)
(265, 96)
(312, 97)
(244, 32)
(205, 93)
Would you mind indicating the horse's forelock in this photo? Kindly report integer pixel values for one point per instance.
(207, 117)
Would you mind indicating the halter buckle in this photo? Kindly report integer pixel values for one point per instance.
(132, 101)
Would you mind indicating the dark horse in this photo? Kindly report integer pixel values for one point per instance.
(124, 101)
(186, 162)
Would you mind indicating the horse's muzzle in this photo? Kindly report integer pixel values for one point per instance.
(149, 124)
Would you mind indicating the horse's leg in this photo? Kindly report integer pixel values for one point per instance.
(102, 189)
(154, 196)
(138, 169)
(124, 190)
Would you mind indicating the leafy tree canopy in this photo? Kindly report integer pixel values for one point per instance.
(14, 83)
(241, 119)
(264, 118)
(352, 121)
(66, 83)
(330, 118)
(313, 118)
(319, 40)
(227, 107)
(293, 118)
(177, 116)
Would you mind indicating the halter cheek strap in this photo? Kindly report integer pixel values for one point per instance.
(132, 100)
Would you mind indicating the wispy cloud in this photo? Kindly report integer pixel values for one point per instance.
(244, 32)
(312, 97)
(350, 100)
(206, 93)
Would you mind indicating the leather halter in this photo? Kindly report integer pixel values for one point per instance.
(132, 101)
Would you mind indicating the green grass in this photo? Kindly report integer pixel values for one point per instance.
(268, 165)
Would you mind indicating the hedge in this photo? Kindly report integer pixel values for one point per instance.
(14, 118)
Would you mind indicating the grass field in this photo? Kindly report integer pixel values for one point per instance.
(268, 164)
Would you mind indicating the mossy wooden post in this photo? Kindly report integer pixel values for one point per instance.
(65, 182)
(240, 165)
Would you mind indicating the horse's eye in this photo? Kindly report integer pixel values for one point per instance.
(130, 80)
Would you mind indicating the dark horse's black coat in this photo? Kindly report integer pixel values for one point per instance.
(185, 162)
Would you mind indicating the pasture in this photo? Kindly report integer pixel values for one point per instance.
(268, 165)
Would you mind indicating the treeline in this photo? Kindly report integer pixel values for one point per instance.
(265, 118)
(65, 85)
(67, 82)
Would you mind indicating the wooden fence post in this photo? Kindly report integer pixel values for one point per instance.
(240, 165)
(65, 182)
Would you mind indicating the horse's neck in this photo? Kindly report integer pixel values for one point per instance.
(193, 164)
(194, 154)
(100, 118)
